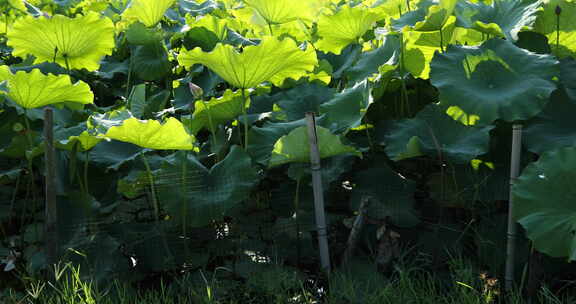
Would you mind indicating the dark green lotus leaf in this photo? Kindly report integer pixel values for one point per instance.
(138, 34)
(295, 148)
(303, 98)
(369, 62)
(109, 67)
(262, 139)
(463, 185)
(113, 154)
(496, 80)
(533, 42)
(568, 77)
(195, 195)
(500, 18)
(393, 195)
(554, 127)
(200, 37)
(341, 63)
(150, 61)
(347, 108)
(544, 197)
(432, 132)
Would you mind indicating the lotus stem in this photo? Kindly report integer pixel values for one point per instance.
(245, 120)
(441, 40)
(51, 223)
(152, 187)
(296, 208)
(558, 12)
(512, 228)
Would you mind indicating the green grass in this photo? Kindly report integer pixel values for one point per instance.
(279, 285)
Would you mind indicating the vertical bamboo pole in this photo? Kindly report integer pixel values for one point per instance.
(318, 193)
(512, 228)
(51, 237)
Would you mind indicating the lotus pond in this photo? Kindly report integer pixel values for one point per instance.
(180, 148)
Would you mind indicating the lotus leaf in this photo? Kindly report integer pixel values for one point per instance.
(436, 135)
(149, 12)
(204, 195)
(34, 89)
(272, 60)
(216, 111)
(262, 139)
(554, 127)
(75, 43)
(544, 197)
(548, 22)
(503, 18)
(496, 80)
(436, 16)
(344, 27)
(152, 134)
(393, 197)
(295, 147)
(281, 11)
(347, 108)
(420, 48)
(369, 62)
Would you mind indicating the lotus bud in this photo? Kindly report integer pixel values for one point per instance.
(196, 91)
(558, 10)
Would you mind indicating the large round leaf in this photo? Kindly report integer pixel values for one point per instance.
(216, 111)
(149, 12)
(504, 18)
(344, 27)
(544, 197)
(496, 80)
(195, 195)
(75, 43)
(152, 134)
(295, 147)
(434, 133)
(272, 60)
(34, 89)
(554, 127)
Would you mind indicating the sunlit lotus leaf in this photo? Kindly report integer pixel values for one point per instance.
(436, 16)
(544, 197)
(76, 43)
(34, 89)
(496, 80)
(18, 4)
(216, 111)
(148, 12)
(344, 27)
(151, 134)
(295, 147)
(214, 24)
(280, 11)
(272, 60)
(420, 48)
(393, 9)
(504, 18)
(563, 43)
(429, 16)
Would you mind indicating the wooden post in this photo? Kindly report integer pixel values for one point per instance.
(51, 235)
(512, 228)
(318, 193)
(355, 231)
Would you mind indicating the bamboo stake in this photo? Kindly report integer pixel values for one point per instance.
(355, 231)
(51, 237)
(512, 228)
(318, 193)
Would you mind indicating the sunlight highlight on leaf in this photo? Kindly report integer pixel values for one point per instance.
(34, 89)
(272, 60)
(149, 12)
(152, 134)
(344, 27)
(74, 43)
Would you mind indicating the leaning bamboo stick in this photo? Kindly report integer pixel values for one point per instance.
(355, 231)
